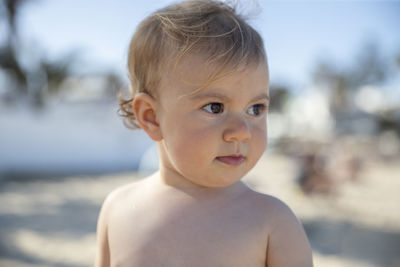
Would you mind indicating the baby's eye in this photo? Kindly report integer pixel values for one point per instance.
(214, 108)
(256, 110)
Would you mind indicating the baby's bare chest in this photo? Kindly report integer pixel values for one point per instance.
(214, 237)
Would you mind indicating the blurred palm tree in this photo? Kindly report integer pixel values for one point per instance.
(11, 8)
(369, 68)
(8, 60)
(38, 79)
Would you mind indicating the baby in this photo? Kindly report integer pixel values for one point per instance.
(199, 81)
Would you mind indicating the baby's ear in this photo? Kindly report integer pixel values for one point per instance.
(144, 106)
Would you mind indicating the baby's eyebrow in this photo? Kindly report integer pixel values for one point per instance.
(209, 95)
(263, 96)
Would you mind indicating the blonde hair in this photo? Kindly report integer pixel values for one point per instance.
(210, 28)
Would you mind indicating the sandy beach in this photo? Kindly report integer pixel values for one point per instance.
(52, 222)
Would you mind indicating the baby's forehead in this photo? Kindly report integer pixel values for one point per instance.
(194, 74)
(198, 71)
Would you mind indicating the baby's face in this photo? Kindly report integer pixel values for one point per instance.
(215, 135)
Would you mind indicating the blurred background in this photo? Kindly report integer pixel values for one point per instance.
(334, 124)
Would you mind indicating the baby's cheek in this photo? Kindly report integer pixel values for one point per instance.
(194, 146)
(184, 144)
(260, 138)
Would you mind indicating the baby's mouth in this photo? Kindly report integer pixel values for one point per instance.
(233, 160)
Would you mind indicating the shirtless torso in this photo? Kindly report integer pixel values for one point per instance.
(150, 224)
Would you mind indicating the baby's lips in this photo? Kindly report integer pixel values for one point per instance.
(233, 160)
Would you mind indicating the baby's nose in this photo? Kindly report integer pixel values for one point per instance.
(237, 129)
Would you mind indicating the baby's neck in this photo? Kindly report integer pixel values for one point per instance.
(168, 179)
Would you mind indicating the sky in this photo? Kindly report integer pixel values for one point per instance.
(296, 33)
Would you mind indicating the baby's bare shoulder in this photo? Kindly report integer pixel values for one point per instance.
(128, 190)
(269, 206)
(271, 212)
(286, 235)
(122, 194)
